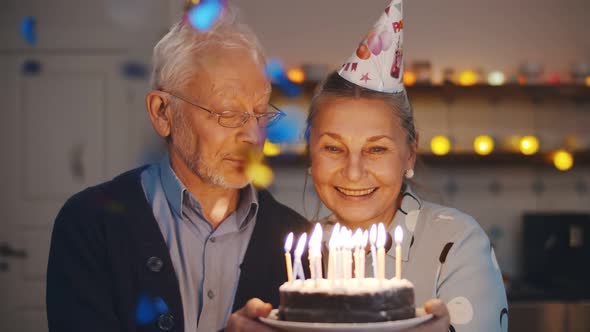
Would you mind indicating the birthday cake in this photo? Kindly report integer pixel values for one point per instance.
(353, 301)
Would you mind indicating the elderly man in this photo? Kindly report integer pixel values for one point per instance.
(183, 244)
(188, 235)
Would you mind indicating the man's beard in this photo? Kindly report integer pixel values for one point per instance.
(182, 137)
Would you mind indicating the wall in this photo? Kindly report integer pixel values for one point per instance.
(452, 33)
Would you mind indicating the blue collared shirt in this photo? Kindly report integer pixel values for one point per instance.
(206, 260)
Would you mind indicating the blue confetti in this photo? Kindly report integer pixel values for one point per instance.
(289, 129)
(28, 29)
(160, 305)
(275, 70)
(31, 67)
(134, 70)
(277, 75)
(145, 312)
(205, 14)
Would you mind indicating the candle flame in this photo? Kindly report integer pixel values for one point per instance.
(301, 245)
(315, 241)
(334, 237)
(373, 234)
(398, 235)
(381, 235)
(289, 242)
(365, 239)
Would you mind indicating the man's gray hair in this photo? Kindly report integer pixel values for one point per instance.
(177, 53)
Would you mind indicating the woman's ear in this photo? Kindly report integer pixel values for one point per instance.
(413, 152)
(157, 107)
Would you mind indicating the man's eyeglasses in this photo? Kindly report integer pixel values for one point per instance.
(235, 119)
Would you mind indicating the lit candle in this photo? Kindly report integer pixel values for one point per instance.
(333, 254)
(381, 237)
(298, 252)
(363, 252)
(357, 238)
(348, 252)
(373, 239)
(288, 245)
(398, 235)
(316, 249)
(315, 252)
(342, 246)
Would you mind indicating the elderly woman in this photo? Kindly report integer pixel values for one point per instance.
(363, 143)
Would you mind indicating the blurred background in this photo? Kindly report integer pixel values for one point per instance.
(500, 90)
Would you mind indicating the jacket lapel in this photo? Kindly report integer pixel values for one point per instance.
(157, 273)
(263, 269)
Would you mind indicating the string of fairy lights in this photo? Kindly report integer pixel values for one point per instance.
(483, 145)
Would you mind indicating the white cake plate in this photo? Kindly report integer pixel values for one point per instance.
(396, 325)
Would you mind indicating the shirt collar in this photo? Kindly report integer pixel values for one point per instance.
(248, 206)
(406, 217)
(173, 187)
(178, 196)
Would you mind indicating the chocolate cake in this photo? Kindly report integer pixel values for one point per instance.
(351, 301)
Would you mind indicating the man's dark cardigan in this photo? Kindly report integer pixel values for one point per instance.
(107, 253)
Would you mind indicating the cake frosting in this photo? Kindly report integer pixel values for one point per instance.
(347, 301)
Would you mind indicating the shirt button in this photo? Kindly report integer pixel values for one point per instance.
(154, 264)
(212, 240)
(210, 294)
(165, 322)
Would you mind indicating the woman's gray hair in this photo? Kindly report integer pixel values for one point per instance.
(336, 86)
(177, 53)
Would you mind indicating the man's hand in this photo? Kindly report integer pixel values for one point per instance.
(245, 319)
(439, 323)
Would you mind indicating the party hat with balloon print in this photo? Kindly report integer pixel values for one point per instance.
(377, 62)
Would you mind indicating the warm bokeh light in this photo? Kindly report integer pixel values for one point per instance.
(483, 145)
(260, 175)
(409, 78)
(468, 78)
(270, 149)
(296, 75)
(529, 145)
(554, 79)
(588, 81)
(563, 160)
(440, 145)
(496, 78)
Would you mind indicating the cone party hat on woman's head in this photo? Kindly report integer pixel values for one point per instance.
(377, 63)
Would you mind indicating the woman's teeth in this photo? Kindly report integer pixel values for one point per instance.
(349, 192)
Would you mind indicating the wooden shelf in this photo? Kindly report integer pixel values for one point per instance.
(576, 92)
(537, 93)
(503, 159)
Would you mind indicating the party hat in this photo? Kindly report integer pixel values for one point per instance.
(377, 63)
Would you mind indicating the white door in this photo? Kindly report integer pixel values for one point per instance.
(74, 122)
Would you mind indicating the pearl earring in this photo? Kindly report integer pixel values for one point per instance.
(309, 170)
(409, 174)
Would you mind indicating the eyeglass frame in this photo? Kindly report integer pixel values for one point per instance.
(278, 114)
